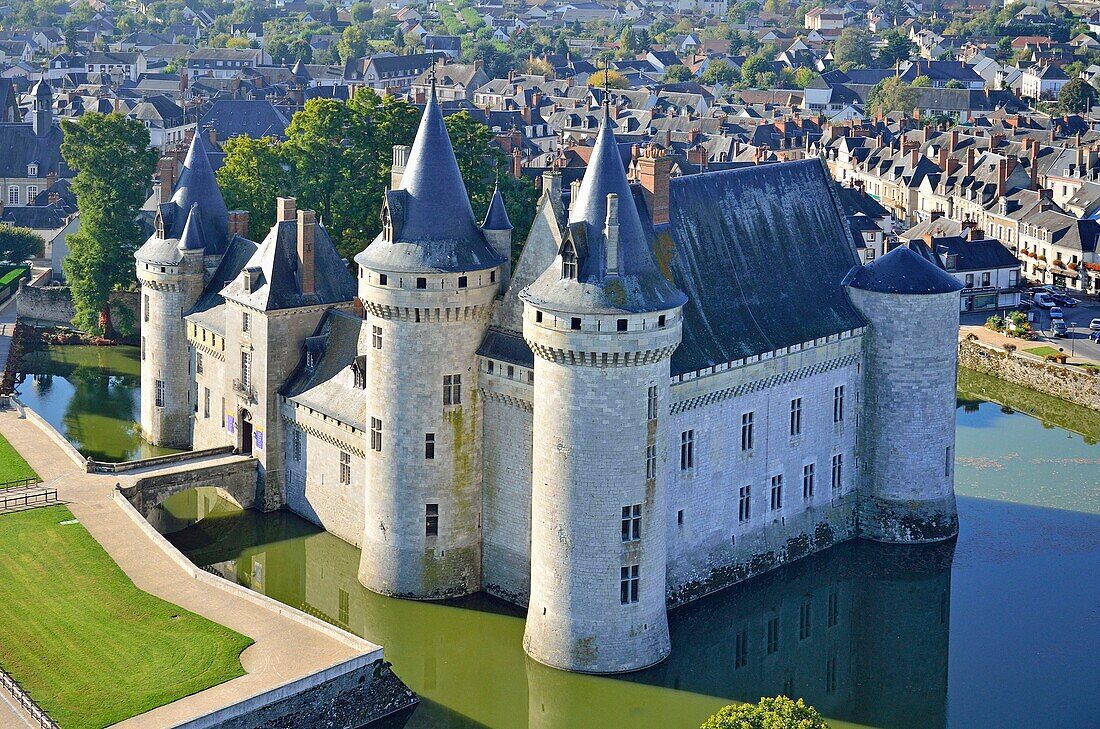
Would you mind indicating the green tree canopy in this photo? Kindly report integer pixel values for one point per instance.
(1076, 97)
(354, 42)
(18, 244)
(252, 175)
(361, 12)
(677, 73)
(896, 48)
(615, 80)
(720, 71)
(770, 713)
(891, 94)
(754, 69)
(114, 166)
(853, 46)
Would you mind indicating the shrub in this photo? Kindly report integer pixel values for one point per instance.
(770, 713)
(995, 323)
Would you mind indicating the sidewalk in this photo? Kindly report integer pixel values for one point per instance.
(988, 336)
(284, 648)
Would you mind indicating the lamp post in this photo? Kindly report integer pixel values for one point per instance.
(1072, 326)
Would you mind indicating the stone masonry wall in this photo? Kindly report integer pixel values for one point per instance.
(54, 304)
(1063, 381)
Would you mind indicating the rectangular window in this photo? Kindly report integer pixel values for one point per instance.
(838, 472)
(145, 308)
(376, 435)
(808, 481)
(838, 403)
(651, 403)
(741, 649)
(969, 280)
(462, 282)
(777, 492)
(206, 402)
(246, 321)
(345, 468)
(985, 277)
(246, 370)
(947, 462)
(744, 503)
(773, 636)
(142, 347)
(632, 523)
(429, 446)
(651, 461)
(376, 337)
(431, 520)
(796, 416)
(160, 393)
(804, 615)
(297, 445)
(687, 450)
(575, 323)
(383, 279)
(421, 283)
(452, 389)
(834, 608)
(746, 431)
(198, 363)
(628, 585)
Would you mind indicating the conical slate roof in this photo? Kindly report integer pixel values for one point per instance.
(300, 72)
(434, 226)
(197, 186)
(903, 271)
(497, 216)
(638, 285)
(192, 238)
(42, 89)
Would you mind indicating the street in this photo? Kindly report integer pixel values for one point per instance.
(1076, 342)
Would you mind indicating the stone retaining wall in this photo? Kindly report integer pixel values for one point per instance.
(54, 304)
(1067, 382)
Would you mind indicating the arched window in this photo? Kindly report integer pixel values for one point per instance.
(13, 195)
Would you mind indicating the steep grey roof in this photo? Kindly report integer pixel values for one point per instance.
(277, 260)
(244, 117)
(507, 347)
(761, 252)
(903, 271)
(20, 146)
(497, 217)
(192, 238)
(434, 227)
(210, 309)
(197, 186)
(638, 286)
(329, 386)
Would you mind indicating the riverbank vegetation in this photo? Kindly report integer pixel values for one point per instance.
(12, 465)
(88, 645)
(975, 386)
(770, 713)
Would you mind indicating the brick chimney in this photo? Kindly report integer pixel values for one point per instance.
(1002, 176)
(654, 169)
(307, 223)
(975, 233)
(970, 160)
(285, 209)
(952, 166)
(954, 143)
(166, 173)
(238, 223)
(517, 163)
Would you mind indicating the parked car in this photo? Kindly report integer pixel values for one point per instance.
(1095, 336)
(1056, 312)
(1094, 325)
(1062, 300)
(1058, 328)
(1042, 300)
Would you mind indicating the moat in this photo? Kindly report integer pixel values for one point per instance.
(983, 632)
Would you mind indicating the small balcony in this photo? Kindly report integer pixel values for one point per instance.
(245, 390)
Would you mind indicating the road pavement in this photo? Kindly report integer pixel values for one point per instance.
(1076, 343)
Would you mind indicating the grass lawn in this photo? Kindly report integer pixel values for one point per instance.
(12, 465)
(11, 275)
(1042, 351)
(83, 641)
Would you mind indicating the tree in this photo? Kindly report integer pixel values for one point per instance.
(891, 94)
(677, 73)
(754, 68)
(719, 72)
(114, 165)
(614, 79)
(354, 42)
(18, 244)
(921, 82)
(628, 42)
(1076, 97)
(252, 175)
(398, 38)
(770, 713)
(853, 46)
(955, 84)
(361, 12)
(495, 62)
(896, 48)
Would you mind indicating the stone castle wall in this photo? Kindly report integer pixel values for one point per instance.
(1062, 381)
(54, 304)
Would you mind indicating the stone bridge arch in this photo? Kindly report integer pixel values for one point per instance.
(234, 480)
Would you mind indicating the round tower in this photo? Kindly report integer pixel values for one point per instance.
(427, 285)
(603, 323)
(191, 222)
(908, 435)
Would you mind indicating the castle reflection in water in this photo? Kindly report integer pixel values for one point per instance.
(860, 631)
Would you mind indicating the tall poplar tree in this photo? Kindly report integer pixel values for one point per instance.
(114, 166)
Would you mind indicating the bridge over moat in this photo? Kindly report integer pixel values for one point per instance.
(234, 478)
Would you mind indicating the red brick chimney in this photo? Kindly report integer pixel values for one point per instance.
(285, 209)
(970, 160)
(654, 170)
(238, 223)
(166, 173)
(1002, 176)
(954, 143)
(307, 223)
(517, 163)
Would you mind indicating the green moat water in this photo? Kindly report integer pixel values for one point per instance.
(1000, 629)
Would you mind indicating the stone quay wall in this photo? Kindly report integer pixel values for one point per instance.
(1067, 382)
(52, 304)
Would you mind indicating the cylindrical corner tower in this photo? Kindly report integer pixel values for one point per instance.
(427, 285)
(908, 435)
(599, 489)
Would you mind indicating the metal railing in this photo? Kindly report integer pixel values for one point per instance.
(29, 705)
(27, 499)
(20, 483)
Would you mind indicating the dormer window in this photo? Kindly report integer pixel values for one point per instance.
(32, 169)
(569, 263)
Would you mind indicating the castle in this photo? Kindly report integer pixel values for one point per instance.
(684, 382)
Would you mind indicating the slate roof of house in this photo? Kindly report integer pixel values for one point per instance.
(434, 227)
(506, 346)
(277, 260)
(761, 252)
(903, 271)
(329, 386)
(20, 146)
(35, 217)
(638, 285)
(244, 117)
(970, 255)
(209, 312)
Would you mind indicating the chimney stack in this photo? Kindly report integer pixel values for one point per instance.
(654, 170)
(975, 233)
(166, 173)
(238, 223)
(285, 208)
(611, 234)
(307, 223)
(1002, 176)
(970, 160)
(954, 141)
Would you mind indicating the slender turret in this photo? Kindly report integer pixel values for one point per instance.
(427, 285)
(908, 434)
(603, 323)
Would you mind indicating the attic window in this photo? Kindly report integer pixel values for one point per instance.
(32, 169)
(568, 264)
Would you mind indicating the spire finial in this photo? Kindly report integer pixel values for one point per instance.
(431, 69)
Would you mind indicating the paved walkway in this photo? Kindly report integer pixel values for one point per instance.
(988, 336)
(284, 648)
